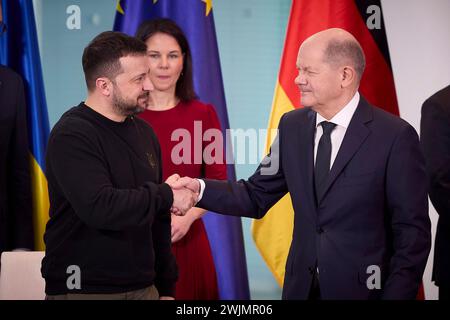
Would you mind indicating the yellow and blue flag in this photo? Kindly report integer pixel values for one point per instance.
(196, 19)
(19, 50)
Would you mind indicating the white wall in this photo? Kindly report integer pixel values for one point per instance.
(418, 33)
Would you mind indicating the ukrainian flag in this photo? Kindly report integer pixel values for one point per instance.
(19, 50)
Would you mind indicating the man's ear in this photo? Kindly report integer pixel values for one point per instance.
(348, 76)
(104, 86)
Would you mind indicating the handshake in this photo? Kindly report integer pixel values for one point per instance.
(185, 193)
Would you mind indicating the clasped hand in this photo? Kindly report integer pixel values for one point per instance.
(185, 193)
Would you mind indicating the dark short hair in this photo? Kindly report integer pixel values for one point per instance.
(185, 87)
(101, 56)
(338, 52)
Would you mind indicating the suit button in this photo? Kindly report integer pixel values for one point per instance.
(319, 230)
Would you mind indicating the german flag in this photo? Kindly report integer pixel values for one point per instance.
(363, 19)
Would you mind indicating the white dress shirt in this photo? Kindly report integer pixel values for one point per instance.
(342, 120)
(202, 189)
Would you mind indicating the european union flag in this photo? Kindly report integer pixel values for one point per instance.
(196, 19)
(19, 50)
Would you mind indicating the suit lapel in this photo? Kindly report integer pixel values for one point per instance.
(306, 132)
(355, 135)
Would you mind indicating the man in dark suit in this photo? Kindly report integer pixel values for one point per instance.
(361, 228)
(16, 229)
(435, 139)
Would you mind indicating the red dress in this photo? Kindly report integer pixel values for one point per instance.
(197, 275)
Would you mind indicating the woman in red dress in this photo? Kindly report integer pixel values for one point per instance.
(180, 120)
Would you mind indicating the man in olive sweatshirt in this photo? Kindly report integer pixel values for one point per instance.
(108, 236)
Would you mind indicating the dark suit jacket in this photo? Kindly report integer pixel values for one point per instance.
(16, 230)
(374, 212)
(435, 139)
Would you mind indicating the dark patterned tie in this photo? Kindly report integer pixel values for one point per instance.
(323, 158)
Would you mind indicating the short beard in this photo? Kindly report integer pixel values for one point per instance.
(127, 107)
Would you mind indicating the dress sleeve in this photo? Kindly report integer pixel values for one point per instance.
(216, 169)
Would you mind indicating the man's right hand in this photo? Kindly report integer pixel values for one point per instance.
(184, 193)
(187, 182)
(183, 200)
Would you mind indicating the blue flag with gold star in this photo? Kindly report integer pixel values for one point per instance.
(196, 19)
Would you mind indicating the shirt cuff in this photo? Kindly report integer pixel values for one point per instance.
(202, 189)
